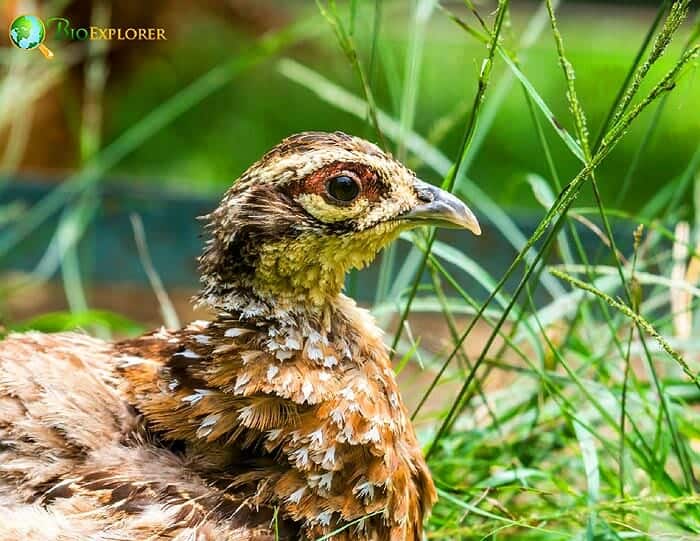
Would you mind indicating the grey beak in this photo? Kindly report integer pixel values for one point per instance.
(440, 208)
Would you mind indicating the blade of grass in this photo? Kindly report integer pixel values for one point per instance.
(421, 17)
(677, 14)
(90, 139)
(347, 44)
(449, 181)
(641, 321)
(623, 406)
(167, 309)
(663, 8)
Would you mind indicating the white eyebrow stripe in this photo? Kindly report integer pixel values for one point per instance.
(300, 165)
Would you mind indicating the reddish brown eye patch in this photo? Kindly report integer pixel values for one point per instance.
(331, 182)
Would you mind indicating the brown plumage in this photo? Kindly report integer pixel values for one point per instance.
(279, 419)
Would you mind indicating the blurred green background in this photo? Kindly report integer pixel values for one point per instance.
(207, 147)
(214, 142)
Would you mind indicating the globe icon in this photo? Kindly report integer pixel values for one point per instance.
(28, 32)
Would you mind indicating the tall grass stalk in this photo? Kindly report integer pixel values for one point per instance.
(449, 181)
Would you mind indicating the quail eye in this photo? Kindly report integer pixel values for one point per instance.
(343, 188)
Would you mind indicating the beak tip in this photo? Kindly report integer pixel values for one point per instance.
(470, 222)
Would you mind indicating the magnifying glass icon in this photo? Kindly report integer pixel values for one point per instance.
(28, 32)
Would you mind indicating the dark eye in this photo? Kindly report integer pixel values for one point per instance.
(343, 188)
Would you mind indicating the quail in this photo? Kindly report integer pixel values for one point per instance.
(279, 418)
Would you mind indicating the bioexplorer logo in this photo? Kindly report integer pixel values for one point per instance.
(29, 32)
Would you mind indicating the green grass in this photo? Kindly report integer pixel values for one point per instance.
(586, 447)
(596, 435)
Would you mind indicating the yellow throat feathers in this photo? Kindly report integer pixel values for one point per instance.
(313, 267)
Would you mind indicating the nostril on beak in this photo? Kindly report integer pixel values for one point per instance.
(425, 195)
